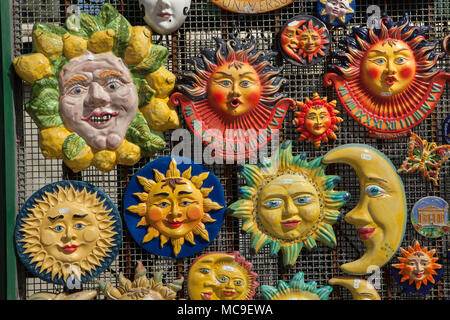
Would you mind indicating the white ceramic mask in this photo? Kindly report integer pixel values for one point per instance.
(337, 8)
(165, 16)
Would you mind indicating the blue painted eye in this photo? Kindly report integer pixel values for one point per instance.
(373, 191)
(205, 271)
(185, 203)
(76, 90)
(79, 226)
(379, 61)
(58, 228)
(223, 279)
(400, 60)
(239, 283)
(163, 204)
(245, 84)
(271, 204)
(226, 83)
(303, 200)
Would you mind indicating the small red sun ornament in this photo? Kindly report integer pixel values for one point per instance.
(388, 79)
(317, 120)
(417, 271)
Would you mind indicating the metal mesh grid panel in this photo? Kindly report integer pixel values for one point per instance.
(204, 22)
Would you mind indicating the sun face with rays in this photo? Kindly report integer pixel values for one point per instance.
(317, 120)
(289, 203)
(296, 289)
(68, 232)
(312, 41)
(174, 207)
(336, 10)
(417, 265)
(387, 76)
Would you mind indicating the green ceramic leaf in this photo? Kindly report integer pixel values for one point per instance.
(41, 84)
(72, 146)
(148, 140)
(108, 14)
(123, 33)
(145, 92)
(57, 64)
(90, 24)
(43, 108)
(50, 28)
(157, 57)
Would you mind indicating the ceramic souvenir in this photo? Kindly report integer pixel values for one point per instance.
(417, 271)
(165, 16)
(388, 81)
(429, 216)
(289, 203)
(336, 12)
(68, 232)
(446, 45)
(446, 130)
(426, 158)
(317, 120)
(233, 100)
(304, 40)
(254, 6)
(296, 289)
(359, 288)
(381, 213)
(141, 288)
(99, 90)
(173, 207)
(221, 276)
(81, 295)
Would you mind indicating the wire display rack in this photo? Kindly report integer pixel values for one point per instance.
(205, 22)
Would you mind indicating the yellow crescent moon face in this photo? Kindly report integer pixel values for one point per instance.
(359, 288)
(381, 213)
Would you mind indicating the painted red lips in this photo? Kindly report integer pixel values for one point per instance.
(207, 295)
(99, 119)
(290, 223)
(390, 80)
(165, 15)
(174, 223)
(365, 233)
(235, 102)
(70, 248)
(228, 293)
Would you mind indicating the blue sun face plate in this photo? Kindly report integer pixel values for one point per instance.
(105, 262)
(132, 219)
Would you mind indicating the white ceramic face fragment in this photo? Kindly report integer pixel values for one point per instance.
(165, 16)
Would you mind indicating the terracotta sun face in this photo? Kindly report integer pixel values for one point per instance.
(68, 232)
(174, 207)
(296, 289)
(317, 120)
(221, 276)
(417, 266)
(388, 81)
(285, 204)
(304, 40)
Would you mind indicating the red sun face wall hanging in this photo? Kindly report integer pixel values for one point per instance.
(388, 81)
(304, 40)
(232, 100)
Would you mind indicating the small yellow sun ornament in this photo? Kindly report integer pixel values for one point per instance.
(141, 288)
(416, 271)
(296, 289)
(289, 203)
(68, 231)
(173, 207)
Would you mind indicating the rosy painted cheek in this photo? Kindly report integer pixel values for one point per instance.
(253, 98)
(194, 213)
(155, 214)
(374, 73)
(406, 72)
(219, 96)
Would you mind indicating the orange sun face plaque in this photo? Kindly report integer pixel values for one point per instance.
(251, 6)
(388, 80)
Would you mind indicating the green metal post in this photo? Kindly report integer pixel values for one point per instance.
(7, 159)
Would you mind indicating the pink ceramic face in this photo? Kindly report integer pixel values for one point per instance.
(98, 99)
(337, 8)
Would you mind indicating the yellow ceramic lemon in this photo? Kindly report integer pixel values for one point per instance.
(380, 215)
(105, 160)
(81, 161)
(47, 43)
(74, 46)
(128, 153)
(101, 41)
(161, 115)
(51, 141)
(139, 46)
(162, 81)
(32, 67)
(359, 288)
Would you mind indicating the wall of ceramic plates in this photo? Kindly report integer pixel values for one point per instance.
(206, 21)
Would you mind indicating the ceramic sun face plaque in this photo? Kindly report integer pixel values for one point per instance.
(165, 16)
(388, 81)
(304, 41)
(417, 272)
(380, 215)
(99, 90)
(289, 203)
(296, 289)
(429, 216)
(317, 120)
(359, 288)
(141, 288)
(336, 12)
(232, 101)
(221, 276)
(254, 6)
(174, 208)
(424, 157)
(68, 232)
